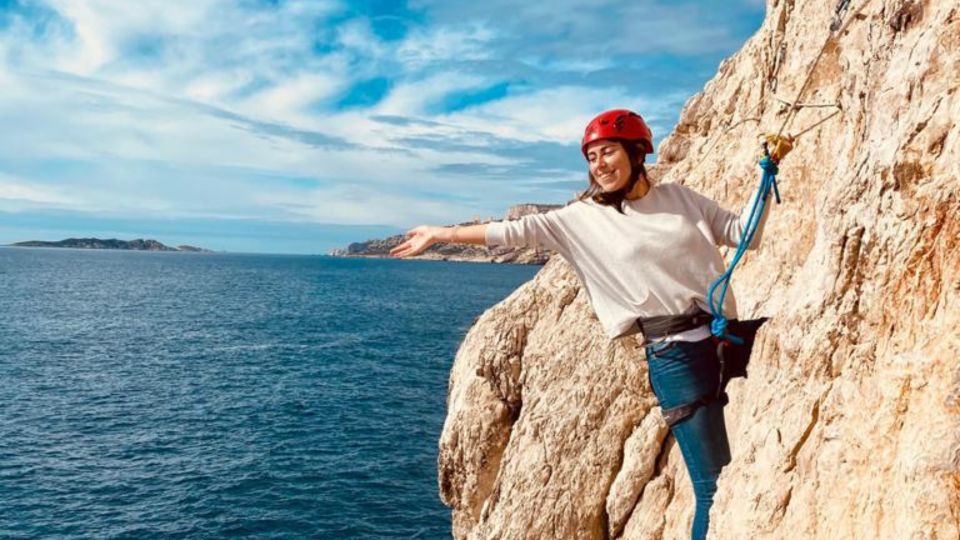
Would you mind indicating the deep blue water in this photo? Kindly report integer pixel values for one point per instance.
(169, 395)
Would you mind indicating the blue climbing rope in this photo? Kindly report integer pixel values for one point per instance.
(769, 182)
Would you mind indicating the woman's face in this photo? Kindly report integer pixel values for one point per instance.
(609, 164)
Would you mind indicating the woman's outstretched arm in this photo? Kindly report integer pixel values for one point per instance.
(424, 236)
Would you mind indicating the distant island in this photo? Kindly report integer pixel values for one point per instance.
(97, 243)
(380, 248)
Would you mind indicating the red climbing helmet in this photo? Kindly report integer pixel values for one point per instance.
(618, 124)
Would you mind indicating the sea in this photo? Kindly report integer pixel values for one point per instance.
(197, 395)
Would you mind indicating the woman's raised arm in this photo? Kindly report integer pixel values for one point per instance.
(424, 236)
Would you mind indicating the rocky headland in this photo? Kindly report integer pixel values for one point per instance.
(848, 426)
(459, 252)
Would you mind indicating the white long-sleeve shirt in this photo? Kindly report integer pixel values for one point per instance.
(658, 258)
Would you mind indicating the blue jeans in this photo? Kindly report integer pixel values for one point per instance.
(680, 372)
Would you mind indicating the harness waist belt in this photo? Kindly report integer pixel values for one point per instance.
(655, 328)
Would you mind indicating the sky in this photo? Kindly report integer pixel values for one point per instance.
(298, 126)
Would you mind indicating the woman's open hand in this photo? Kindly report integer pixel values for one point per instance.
(418, 239)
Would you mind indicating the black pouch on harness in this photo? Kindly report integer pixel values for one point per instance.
(736, 357)
(734, 360)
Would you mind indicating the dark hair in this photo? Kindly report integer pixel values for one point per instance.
(615, 198)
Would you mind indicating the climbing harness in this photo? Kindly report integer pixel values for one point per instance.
(657, 328)
(675, 414)
(732, 362)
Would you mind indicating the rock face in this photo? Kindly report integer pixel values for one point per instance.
(848, 425)
(460, 252)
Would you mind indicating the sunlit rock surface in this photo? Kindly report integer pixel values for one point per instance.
(849, 423)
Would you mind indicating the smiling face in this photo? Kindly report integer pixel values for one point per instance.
(609, 164)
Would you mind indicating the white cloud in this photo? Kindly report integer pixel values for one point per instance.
(16, 192)
(412, 98)
(584, 28)
(554, 114)
(146, 154)
(460, 44)
(220, 108)
(359, 204)
(159, 47)
(359, 36)
(289, 99)
(215, 86)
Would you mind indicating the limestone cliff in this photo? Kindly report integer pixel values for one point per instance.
(849, 423)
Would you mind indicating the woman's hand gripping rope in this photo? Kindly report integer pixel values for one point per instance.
(777, 146)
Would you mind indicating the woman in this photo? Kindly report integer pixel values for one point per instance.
(646, 255)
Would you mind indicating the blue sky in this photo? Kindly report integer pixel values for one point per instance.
(298, 126)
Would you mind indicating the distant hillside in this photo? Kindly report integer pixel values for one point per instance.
(459, 252)
(96, 243)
